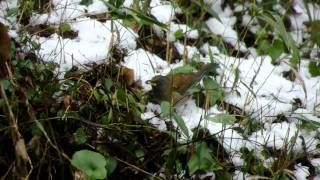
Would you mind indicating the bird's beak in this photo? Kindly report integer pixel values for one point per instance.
(152, 83)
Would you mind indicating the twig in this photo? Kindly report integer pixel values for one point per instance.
(139, 169)
(17, 139)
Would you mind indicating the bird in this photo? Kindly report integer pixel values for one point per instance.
(173, 87)
(5, 51)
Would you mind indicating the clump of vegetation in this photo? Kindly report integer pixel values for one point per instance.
(97, 110)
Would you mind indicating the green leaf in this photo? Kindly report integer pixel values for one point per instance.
(223, 118)
(165, 108)
(111, 165)
(314, 31)
(236, 78)
(133, 15)
(86, 2)
(98, 96)
(211, 55)
(314, 68)
(178, 34)
(64, 27)
(181, 124)
(35, 45)
(116, 3)
(171, 159)
(143, 19)
(104, 120)
(80, 136)
(121, 97)
(107, 84)
(280, 175)
(276, 50)
(12, 11)
(140, 154)
(276, 23)
(91, 163)
(213, 90)
(201, 160)
(182, 69)
(6, 84)
(194, 89)
(25, 64)
(263, 47)
(207, 8)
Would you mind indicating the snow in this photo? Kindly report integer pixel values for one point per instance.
(63, 11)
(239, 175)
(316, 163)
(4, 6)
(280, 135)
(97, 7)
(237, 160)
(127, 3)
(189, 51)
(163, 13)
(262, 91)
(7, 4)
(304, 114)
(226, 32)
(207, 49)
(187, 31)
(301, 172)
(207, 175)
(157, 122)
(91, 45)
(94, 37)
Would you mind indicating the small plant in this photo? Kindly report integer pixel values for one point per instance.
(91, 163)
(202, 160)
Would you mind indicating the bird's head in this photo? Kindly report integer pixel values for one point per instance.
(158, 82)
(160, 88)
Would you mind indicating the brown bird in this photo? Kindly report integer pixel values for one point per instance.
(5, 51)
(173, 87)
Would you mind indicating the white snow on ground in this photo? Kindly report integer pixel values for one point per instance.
(8, 21)
(162, 12)
(239, 175)
(301, 172)
(262, 91)
(97, 7)
(227, 33)
(94, 38)
(316, 163)
(157, 122)
(189, 51)
(91, 45)
(206, 49)
(280, 135)
(187, 31)
(63, 11)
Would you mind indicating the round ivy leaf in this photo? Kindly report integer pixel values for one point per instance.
(91, 163)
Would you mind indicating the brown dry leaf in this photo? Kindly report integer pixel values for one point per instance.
(127, 75)
(134, 26)
(21, 150)
(67, 101)
(79, 175)
(5, 51)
